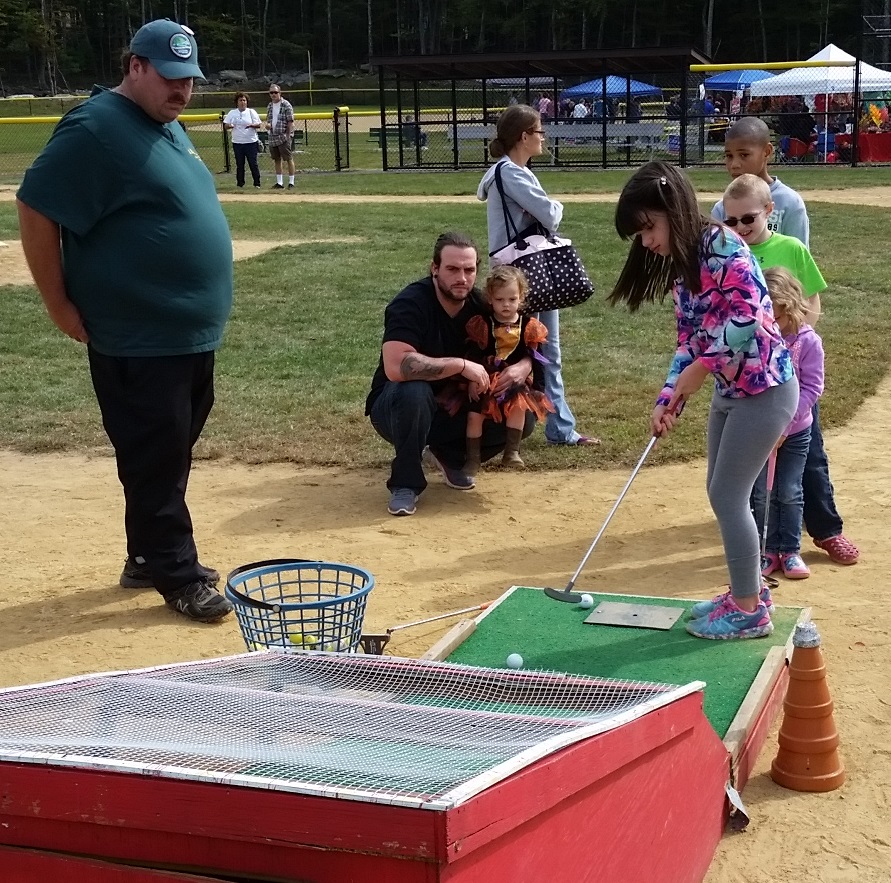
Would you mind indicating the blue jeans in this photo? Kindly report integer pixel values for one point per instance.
(559, 426)
(408, 416)
(821, 518)
(787, 498)
(246, 152)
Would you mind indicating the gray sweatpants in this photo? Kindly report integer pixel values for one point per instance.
(741, 435)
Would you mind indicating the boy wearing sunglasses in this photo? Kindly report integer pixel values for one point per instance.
(747, 151)
(747, 210)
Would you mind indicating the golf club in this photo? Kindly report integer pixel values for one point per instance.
(567, 595)
(375, 643)
(771, 471)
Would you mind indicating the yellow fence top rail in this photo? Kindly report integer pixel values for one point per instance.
(185, 117)
(767, 65)
(30, 119)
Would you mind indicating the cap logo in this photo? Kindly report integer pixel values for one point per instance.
(181, 46)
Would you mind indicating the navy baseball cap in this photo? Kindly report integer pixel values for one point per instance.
(170, 47)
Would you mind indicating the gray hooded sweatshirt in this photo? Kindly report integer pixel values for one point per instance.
(526, 201)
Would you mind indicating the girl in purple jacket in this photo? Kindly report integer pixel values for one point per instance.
(787, 498)
(726, 332)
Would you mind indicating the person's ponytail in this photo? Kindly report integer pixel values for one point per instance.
(496, 149)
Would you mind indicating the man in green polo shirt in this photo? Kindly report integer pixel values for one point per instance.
(132, 255)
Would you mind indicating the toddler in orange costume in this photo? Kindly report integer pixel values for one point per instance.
(503, 338)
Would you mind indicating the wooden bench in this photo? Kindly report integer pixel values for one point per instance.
(297, 140)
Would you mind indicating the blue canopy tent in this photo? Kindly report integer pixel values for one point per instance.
(735, 81)
(616, 87)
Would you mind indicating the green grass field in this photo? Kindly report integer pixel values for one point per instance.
(554, 637)
(304, 336)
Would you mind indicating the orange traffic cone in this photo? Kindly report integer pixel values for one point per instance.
(808, 757)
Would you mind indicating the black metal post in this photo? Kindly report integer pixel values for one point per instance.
(682, 155)
(604, 116)
(417, 97)
(383, 137)
(627, 120)
(337, 165)
(227, 167)
(456, 154)
(399, 120)
(485, 104)
(855, 128)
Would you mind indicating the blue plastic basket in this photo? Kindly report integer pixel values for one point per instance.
(294, 604)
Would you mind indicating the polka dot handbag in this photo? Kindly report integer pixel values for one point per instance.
(555, 272)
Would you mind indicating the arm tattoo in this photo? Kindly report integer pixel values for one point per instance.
(416, 366)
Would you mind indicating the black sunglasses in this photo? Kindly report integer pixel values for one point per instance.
(745, 220)
(275, 93)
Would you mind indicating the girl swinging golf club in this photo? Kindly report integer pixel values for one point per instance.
(725, 328)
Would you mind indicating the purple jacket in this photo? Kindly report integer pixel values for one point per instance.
(807, 359)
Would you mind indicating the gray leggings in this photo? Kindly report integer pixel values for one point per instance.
(741, 435)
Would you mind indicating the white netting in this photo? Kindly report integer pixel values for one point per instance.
(381, 729)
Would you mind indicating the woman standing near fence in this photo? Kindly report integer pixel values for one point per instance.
(519, 137)
(244, 124)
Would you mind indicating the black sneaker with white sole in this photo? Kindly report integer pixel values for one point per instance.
(199, 601)
(135, 575)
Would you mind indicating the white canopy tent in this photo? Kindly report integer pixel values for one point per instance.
(810, 81)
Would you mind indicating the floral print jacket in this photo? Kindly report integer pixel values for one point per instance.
(729, 326)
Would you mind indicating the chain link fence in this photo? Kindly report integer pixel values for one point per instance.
(321, 139)
(825, 111)
(830, 112)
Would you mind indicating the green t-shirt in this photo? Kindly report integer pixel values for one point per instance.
(146, 248)
(790, 253)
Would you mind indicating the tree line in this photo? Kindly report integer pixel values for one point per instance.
(56, 45)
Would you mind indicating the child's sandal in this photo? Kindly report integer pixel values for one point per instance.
(840, 549)
(793, 566)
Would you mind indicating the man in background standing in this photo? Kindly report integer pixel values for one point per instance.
(280, 126)
(132, 255)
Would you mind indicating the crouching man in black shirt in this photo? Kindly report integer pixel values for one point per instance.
(424, 337)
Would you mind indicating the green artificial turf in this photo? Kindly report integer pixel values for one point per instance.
(552, 635)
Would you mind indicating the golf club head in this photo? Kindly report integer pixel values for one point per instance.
(565, 595)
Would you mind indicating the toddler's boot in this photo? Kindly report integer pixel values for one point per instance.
(472, 463)
(511, 457)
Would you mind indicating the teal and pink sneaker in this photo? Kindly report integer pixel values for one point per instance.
(706, 608)
(728, 622)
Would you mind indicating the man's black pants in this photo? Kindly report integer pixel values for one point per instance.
(153, 410)
(407, 415)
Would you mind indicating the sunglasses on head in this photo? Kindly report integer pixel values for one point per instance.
(745, 220)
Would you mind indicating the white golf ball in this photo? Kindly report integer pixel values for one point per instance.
(515, 661)
(587, 602)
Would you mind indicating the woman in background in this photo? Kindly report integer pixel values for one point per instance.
(519, 137)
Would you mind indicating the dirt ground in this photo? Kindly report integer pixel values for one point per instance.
(877, 196)
(64, 614)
